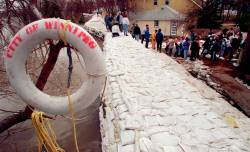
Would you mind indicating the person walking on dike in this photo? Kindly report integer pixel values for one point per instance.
(153, 39)
(143, 33)
(223, 47)
(119, 19)
(147, 37)
(192, 36)
(229, 46)
(206, 46)
(125, 22)
(242, 47)
(109, 22)
(115, 29)
(235, 43)
(106, 18)
(216, 46)
(159, 40)
(137, 32)
(185, 47)
(177, 47)
(182, 39)
(132, 31)
(194, 49)
(170, 45)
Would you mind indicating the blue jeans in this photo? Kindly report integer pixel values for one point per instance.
(185, 54)
(137, 37)
(222, 51)
(147, 41)
(213, 55)
(125, 29)
(178, 51)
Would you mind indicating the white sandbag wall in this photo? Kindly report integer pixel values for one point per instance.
(96, 26)
(153, 105)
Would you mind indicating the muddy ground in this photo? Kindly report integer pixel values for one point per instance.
(225, 76)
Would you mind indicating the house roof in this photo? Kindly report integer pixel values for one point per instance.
(163, 13)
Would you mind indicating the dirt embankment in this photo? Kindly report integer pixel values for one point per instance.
(224, 78)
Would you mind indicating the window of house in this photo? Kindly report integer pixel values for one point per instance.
(173, 29)
(155, 2)
(166, 2)
(156, 23)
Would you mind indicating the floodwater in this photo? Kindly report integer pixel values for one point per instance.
(22, 138)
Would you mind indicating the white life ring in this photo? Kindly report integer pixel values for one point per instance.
(37, 32)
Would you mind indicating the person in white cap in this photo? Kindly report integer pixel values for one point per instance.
(115, 29)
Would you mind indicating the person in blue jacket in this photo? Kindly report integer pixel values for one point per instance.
(147, 36)
(159, 40)
(185, 47)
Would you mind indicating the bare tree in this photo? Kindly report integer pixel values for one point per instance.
(213, 13)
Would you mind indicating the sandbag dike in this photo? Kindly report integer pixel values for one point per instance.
(152, 104)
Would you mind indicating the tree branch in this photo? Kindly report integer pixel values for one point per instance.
(3, 110)
(53, 55)
(46, 70)
(12, 120)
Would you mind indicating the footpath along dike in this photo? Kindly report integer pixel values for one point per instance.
(152, 104)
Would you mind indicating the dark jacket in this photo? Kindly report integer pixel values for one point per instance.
(185, 45)
(159, 37)
(195, 46)
(207, 44)
(106, 19)
(147, 35)
(235, 43)
(137, 30)
(216, 47)
(110, 20)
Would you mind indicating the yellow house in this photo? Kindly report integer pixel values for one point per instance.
(182, 6)
(169, 15)
(165, 18)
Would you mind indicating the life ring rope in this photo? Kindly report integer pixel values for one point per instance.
(45, 135)
(70, 107)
